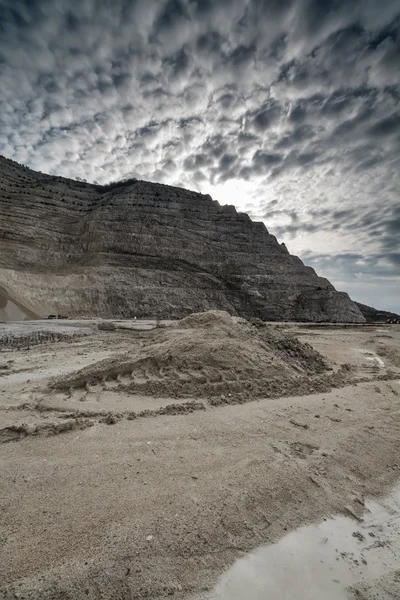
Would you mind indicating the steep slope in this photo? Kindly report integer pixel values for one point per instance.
(144, 249)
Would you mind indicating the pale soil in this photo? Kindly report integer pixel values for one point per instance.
(150, 507)
(11, 309)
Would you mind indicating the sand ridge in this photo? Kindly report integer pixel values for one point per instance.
(207, 355)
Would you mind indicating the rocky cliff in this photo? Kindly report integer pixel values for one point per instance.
(143, 249)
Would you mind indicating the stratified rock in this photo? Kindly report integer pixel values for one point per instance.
(147, 250)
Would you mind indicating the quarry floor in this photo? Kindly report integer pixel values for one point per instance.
(162, 505)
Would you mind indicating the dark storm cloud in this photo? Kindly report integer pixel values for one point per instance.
(298, 99)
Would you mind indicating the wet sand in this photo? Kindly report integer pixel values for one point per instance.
(326, 560)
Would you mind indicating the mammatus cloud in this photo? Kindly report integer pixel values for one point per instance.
(287, 109)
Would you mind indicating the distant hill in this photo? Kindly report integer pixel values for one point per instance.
(372, 315)
(143, 249)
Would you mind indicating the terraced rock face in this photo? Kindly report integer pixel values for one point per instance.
(143, 249)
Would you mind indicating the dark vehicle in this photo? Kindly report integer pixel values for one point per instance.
(52, 317)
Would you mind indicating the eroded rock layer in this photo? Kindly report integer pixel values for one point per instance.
(147, 250)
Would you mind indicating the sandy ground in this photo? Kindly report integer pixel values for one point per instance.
(148, 497)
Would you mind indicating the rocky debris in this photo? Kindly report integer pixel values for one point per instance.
(256, 322)
(89, 250)
(106, 326)
(111, 419)
(182, 408)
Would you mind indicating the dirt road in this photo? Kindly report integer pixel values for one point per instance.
(135, 501)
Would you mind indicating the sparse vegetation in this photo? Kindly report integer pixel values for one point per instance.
(115, 184)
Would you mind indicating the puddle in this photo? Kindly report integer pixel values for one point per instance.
(24, 328)
(375, 360)
(320, 561)
(45, 372)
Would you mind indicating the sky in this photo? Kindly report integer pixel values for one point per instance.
(287, 109)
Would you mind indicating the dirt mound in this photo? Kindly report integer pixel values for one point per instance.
(211, 318)
(206, 355)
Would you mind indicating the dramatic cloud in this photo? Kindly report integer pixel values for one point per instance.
(288, 109)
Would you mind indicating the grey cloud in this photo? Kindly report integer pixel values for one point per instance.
(377, 265)
(226, 161)
(148, 129)
(349, 126)
(184, 123)
(241, 55)
(170, 16)
(298, 135)
(394, 258)
(210, 42)
(262, 162)
(201, 7)
(306, 158)
(215, 145)
(291, 214)
(179, 63)
(227, 100)
(194, 162)
(266, 116)
(320, 213)
(305, 107)
(387, 126)
(295, 229)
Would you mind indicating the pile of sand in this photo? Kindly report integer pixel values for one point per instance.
(207, 355)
